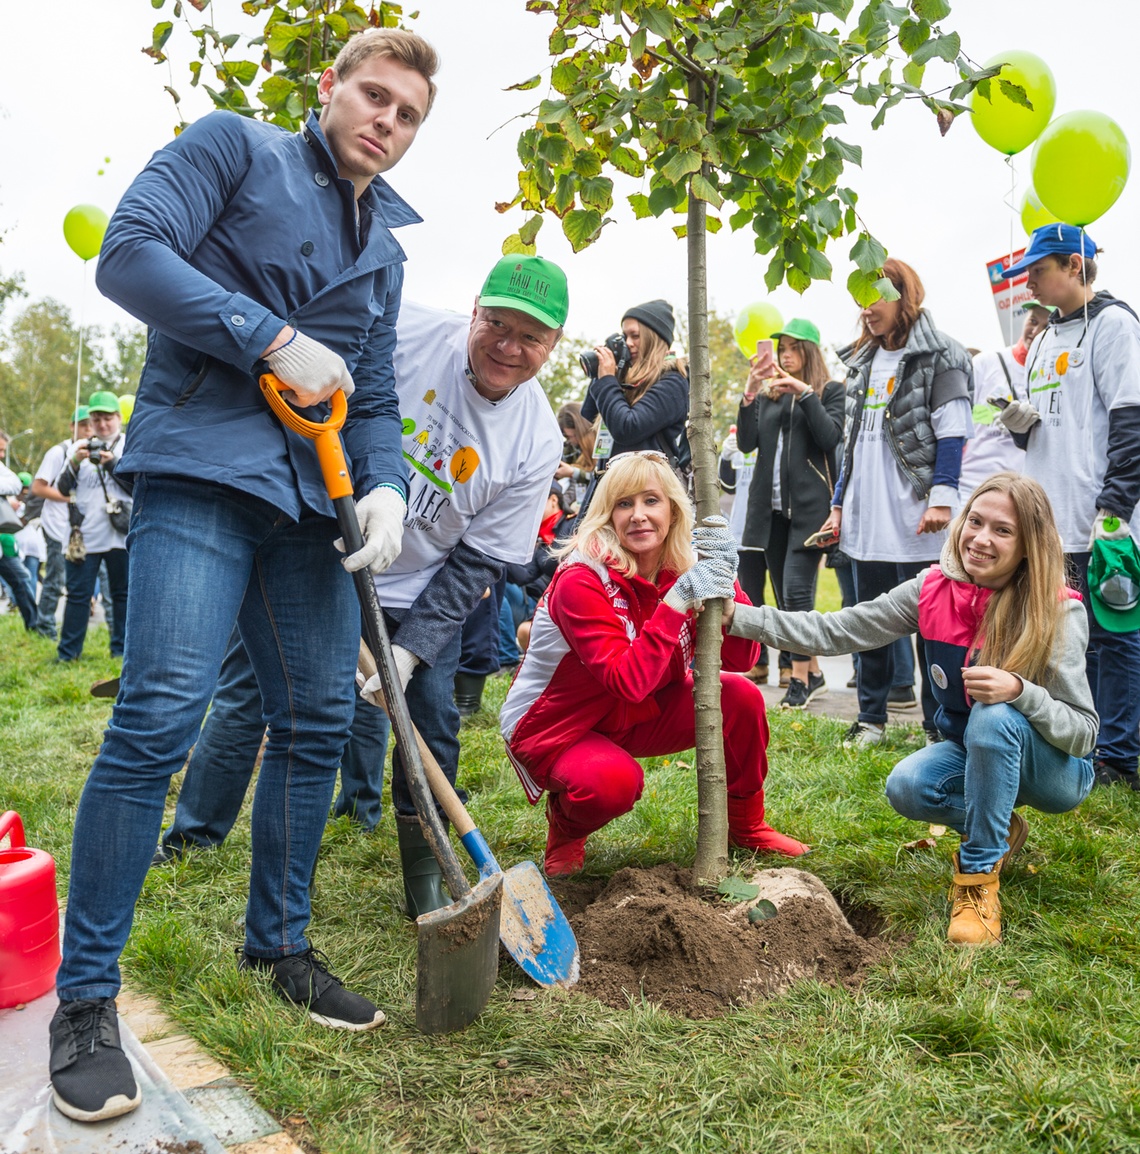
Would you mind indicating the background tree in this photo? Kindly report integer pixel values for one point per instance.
(562, 378)
(723, 109)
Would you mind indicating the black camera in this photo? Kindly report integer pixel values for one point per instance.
(95, 447)
(615, 342)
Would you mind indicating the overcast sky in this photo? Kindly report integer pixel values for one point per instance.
(76, 89)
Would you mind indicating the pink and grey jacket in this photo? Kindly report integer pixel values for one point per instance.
(947, 609)
(601, 646)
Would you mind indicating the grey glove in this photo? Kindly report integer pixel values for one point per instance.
(728, 448)
(714, 538)
(709, 578)
(1019, 416)
(312, 371)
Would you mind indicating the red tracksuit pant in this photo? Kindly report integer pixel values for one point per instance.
(597, 778)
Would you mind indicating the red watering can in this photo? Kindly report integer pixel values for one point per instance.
(29, 917)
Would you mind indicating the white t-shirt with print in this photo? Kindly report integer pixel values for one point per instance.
(53, 518)
(991, 449)
(479, 471)
(881, 510)
(98, 535)
(744, 465)
(1075, 383)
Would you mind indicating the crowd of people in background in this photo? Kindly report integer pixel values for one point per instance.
(975, 508)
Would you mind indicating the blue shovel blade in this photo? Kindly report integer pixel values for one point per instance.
(533, 928)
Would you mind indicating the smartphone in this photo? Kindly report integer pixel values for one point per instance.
(998, 401)
(766, 354)
(822, 540)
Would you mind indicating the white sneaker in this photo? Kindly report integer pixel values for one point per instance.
(862, 734)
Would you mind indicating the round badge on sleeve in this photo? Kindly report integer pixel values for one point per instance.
(1076, 358)
(939, 675)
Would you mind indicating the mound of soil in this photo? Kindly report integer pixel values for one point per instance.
(647, 933)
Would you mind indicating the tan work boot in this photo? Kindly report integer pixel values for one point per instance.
(975, 908)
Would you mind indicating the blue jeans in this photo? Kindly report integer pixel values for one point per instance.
(81, 578)
(511, 616)
(362, 767)
(974, 788)
(431, 702)
(202, 557)
(1112, 664)
(23, 590)
(54, 577)
(876, 668)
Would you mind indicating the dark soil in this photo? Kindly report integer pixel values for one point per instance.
(647, 934)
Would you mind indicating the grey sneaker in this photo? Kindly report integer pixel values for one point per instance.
(305, 979)
(91, 1077)
(862, 734)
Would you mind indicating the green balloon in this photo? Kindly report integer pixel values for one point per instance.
(126, 407)
(1080, 166)
(1033, 213)
(1001, 122)
(83, 229)
(757, 322)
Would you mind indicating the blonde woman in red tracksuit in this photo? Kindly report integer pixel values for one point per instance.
(606, 678)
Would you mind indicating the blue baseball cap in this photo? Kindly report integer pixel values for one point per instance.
(1053, 239)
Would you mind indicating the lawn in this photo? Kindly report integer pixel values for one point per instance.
(1029, 1046)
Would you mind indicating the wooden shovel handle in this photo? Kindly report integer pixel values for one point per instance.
(442, 788)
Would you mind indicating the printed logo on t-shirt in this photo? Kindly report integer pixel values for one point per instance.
(1048, 376)
(879, 393)
(438, 447)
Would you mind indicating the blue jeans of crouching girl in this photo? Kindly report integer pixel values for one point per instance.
(973, 787)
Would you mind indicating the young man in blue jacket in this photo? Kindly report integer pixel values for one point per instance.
(244, 247)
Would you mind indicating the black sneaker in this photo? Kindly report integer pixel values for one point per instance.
(901, 697)
(91, 1076)
(797, 695)
(1110, 773)
(305, 979)
(816, 686)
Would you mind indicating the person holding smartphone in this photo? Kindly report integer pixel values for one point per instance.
(792, 415)
(909, 395)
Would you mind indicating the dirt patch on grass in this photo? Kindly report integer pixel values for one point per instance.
(648, 934)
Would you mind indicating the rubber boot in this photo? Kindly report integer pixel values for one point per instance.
(748, 829)
(423, 879)
(469, 692)
(975, 908)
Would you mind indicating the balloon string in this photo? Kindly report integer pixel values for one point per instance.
(79, 360)
(1084, 284)
(1012, 202)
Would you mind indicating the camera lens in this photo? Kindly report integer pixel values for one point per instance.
(589, 363)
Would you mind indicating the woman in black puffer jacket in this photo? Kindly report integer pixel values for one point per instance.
(648, 406)
(795, 422)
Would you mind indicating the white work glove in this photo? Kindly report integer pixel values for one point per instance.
(709, 578)
(373, 692)
(1100, 533)
(714, 539)
(312, 371)
(728, 448)
(381, 517)
(1018, 416)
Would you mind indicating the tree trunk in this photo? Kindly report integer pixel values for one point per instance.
(711, 862)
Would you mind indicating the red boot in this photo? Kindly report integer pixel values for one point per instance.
(748, 829)
(565, 855)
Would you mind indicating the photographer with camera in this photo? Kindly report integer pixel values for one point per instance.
(100, 507)
(643, 401)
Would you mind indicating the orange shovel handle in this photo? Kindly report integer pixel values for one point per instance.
(326, 434)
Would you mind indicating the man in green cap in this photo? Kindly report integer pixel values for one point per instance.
(54, 521)
(89, 474)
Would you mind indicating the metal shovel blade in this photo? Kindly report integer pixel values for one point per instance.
(457, 959)
(534, 929)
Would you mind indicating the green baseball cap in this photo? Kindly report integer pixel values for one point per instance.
(25, 479)
(1038, 305)
(1114, 584)
(800, 330)
(532, 285)
(104, 402)
(80, 414)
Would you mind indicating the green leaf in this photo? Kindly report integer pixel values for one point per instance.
(852, 153)
(885, 289)
(280, 36)
(639, 202)
(157, 3)
(662, 198)
(868, 254)
(637, 44)
(161, 34)
(515, 244)
(680, 165)
(712, 223)
(912, 34)
(658, 21)
(627, 161)
(564, 193)
(705, 190)
(530, 230)
(762, 911)
(587, 163)
(1015, 93)
(773, 278)
(861, 286)
(243, 71)
(737, 890)
(931, 10)
(524, 85)
(798, 280)
(912, 73)
(597, 192)
(582, 227)
(818, 265)
(555, 148)
(681, 231)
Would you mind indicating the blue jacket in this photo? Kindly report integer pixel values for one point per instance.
(233, 230)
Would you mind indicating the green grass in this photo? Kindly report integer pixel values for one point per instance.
(1029, 1047)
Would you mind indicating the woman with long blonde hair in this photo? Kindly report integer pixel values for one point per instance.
(1006, 644)
(606, 676)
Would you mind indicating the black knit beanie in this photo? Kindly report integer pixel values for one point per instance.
(658, 315)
